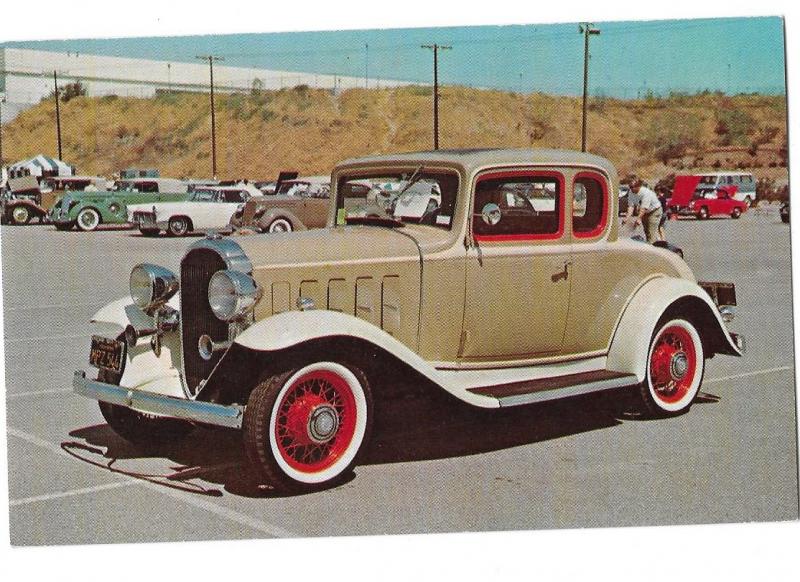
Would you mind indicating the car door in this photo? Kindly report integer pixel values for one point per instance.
(517, 280)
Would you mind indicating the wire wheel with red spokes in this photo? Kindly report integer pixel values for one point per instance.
(304, 429)
(675, 367)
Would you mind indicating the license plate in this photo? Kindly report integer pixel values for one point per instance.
(107, 353)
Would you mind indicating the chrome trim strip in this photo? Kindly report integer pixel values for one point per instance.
(568, 391)
(228, 250)
(194, 410)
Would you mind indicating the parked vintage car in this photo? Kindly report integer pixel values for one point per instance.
(28, 199)
(784, 211)
(689, 200)
(207, 208)
(88, 210)
(742, 185)
(304, 208)
(290, 337)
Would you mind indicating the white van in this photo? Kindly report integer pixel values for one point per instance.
(745, 184)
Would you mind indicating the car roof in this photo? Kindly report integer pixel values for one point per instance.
(472, 159)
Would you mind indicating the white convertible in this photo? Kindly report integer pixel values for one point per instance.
(206, 209)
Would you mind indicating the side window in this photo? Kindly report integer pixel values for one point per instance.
(232, 196)
(518, 206)
(589, 205)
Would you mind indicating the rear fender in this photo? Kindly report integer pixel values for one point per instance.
(665, 295)
(273, 213)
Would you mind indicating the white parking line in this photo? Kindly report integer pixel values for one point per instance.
(229, 514)
(749, 374)
(37, 393)
(71, 492)
(46, 337)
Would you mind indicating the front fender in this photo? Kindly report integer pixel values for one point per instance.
(631, 342)
(293, 328)
(143, 369)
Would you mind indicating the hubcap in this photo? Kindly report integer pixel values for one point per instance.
(20, 214)
(679, 366)
(322, 424)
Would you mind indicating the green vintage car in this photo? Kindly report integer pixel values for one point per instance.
(89, 209)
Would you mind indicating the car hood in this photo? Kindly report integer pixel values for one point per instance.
(329, 246)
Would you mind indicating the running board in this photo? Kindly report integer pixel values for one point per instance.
(530, 391)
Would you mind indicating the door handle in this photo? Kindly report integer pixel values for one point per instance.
(562, 274)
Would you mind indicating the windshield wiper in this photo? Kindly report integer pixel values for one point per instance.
(415, 177)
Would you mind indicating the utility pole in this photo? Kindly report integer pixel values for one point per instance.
(586, 30)
(436, 48)
(366, 65)
(58, 113)
(211, 59)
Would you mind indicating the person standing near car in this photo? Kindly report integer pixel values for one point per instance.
(662, 197)
(650, 211)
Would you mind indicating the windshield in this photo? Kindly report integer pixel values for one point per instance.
(411, 197)
(203, 195)
(307, 189)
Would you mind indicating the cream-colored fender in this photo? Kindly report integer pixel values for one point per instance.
(292, 328)
(631, 341)
(143, 369)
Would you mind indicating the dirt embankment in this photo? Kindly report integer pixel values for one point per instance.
(263, 132)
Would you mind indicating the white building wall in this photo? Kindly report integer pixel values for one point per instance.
(26, 76)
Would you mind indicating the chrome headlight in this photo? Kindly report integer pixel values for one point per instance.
(152, 286)
(232, 294)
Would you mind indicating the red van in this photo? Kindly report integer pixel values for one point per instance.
(689, 200)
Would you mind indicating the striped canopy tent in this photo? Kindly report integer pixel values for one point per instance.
(41, 167)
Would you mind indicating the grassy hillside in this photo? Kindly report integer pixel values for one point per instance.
(309, 130)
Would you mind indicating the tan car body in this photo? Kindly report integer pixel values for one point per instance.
(301, 212)
(460, 313)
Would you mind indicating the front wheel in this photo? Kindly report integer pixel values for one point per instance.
(736, 213)
(20, 215)
(88, 219)
(139, 428)
(675, 367)
(702, 214)
(303, 430)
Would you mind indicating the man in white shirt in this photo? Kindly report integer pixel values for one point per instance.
(650, 211)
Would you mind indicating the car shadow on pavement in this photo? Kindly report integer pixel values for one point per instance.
(406, 429)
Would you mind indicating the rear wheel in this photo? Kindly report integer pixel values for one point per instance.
(736, 213)
(280, 225)
(88, 219)
(702, 214)
(139, 428)
(178, 226)
(675, 367)
(20, 215)
(304, 429)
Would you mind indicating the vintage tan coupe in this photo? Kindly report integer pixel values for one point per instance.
(514, 290)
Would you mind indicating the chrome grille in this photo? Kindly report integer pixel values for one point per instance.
(197, 318)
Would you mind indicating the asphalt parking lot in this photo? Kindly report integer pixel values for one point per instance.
(584, 462)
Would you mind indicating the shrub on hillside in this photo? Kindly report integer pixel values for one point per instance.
(733, 126)
(671, 135)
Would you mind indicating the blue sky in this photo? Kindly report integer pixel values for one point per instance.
(732, 55)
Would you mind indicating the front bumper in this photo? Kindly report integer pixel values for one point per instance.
(148, 402)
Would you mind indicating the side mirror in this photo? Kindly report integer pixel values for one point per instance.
(491, 214)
